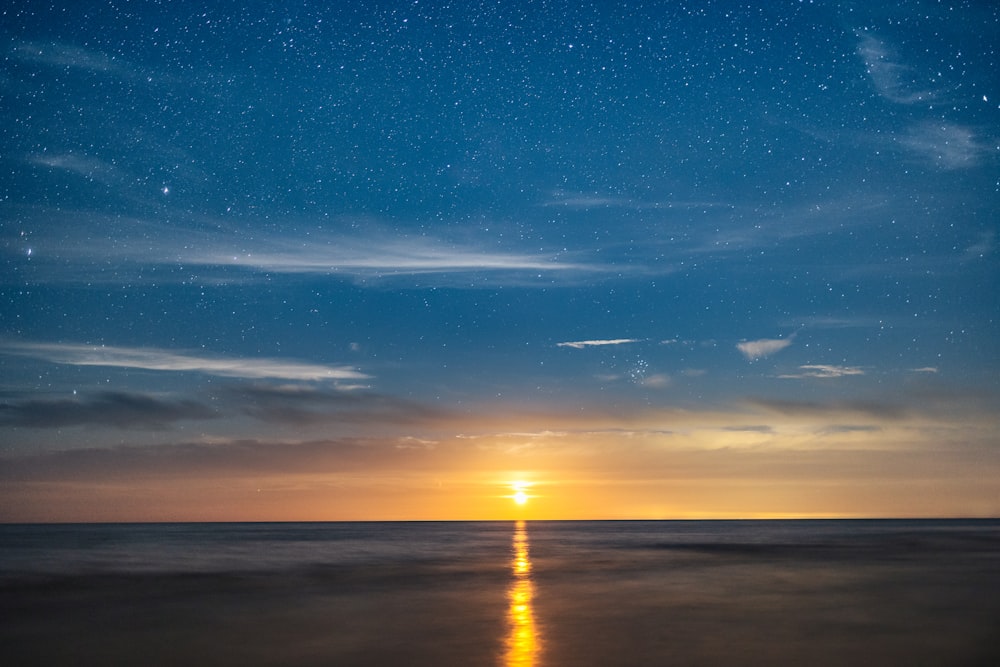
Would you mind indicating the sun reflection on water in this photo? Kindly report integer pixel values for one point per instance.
(523, 642)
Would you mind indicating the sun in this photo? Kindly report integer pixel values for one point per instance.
(520, 496)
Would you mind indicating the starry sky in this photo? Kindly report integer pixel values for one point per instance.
(394, 259)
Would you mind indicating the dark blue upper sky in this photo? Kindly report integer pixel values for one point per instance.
(377, 214)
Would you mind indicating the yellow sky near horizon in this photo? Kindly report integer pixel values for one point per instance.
(670, 466)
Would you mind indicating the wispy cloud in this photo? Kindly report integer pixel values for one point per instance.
(68, 56)
(985, 246)
(764, 347)
(947, 146)
(831, 322)
(128, 185)
(892, 79)
(944, 145)
(75, 354)
(848, 428)
(82, 165)
(752, 428)
(214, 249)
(656, 381)
(581, 344)
(375, 257)
(731, 233)
(823, 371)
(576, 200)
(792, 408)
(585, 201)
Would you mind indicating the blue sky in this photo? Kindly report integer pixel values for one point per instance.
(554, 227)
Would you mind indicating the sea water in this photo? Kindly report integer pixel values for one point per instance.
(883, 592)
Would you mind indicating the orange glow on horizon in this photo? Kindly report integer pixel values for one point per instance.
(551, 476)
(475, 498)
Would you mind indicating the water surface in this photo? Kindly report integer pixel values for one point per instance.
(529, 594)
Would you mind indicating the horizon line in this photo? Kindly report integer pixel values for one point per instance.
(512, 520)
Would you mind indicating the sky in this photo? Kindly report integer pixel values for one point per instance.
(402, 260)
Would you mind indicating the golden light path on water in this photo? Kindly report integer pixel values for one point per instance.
(523, 641)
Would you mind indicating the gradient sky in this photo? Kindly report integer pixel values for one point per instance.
(381, 260)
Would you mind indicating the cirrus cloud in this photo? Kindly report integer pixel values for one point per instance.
(764, 347)
(76, 354)
(581, 344)
(823, 371)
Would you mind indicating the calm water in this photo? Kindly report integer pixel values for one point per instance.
(541, 593)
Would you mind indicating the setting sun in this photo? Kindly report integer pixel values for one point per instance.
(519, 496)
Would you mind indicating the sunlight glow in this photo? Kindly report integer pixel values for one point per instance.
(520, 495)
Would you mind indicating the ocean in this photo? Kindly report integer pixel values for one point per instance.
(815, 592)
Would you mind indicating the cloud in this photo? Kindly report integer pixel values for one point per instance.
(985, 246)
(215, 250)
(584, 201)
(122, 182)
(379, 258)
(924, 369)
(792, 408)
(765, 347)
(754, 428)
(81, 165)
(656, 381)
(164, 360)
(848, 428)
(198, 459)
(778, 226)
(67, 56)
(336, 458)
(297, 404)
(832, 322)
(110, 408)
(580, 344)
(823, 371)
(944, 145)
(892, 79)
